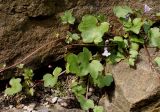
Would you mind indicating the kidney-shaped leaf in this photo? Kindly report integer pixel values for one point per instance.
(15, 86)
(90, 31)
(154, 35)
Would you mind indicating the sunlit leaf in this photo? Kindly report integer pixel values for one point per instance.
(133, 53)
(137, 23)
(98, 109)
(28, 73)
(20, 66)
(121, 12)
(95, 67)
(131, 61)
(57, 71)
(67, 17)
(15, 86)
(31, 91)
(154, 35)
(135, 39)
(79, 64)
(49, 79)
(90, 31)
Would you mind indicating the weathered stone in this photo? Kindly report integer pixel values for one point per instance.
(27, 25)
(31, 8)
(136, 90)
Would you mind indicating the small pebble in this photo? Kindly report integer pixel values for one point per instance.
(59, 100)
(54, 100)
(90, 89)
(30, 107)
(10, 106)
(20, 106)
(63, 104)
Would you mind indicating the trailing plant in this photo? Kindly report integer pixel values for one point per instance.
(85, 66)
(17, 85)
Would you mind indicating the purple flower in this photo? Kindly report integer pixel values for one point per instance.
(146, 8)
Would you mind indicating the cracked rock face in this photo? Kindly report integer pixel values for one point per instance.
(136, 90)
(31, 8)
(27, 25)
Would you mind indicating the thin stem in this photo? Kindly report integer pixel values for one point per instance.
(28, 56)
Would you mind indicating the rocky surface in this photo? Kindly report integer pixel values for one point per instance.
(136, 90)
(30, 25)
(27, 25)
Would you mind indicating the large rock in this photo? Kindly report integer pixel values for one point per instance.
(27, 25)
(31, 8)
(136, 90)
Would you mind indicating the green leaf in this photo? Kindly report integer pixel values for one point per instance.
(73, 64)
(157, 60)
(101, 17)
(133, 53)
(134, 46)
(20, 66)
(67, 68)
(98, 109)
(28, 74)
(86, 104)
(135, 39)
(119, 41)
(95, 68)
(90, 31)
(49, 79)
(84, 58)
(136, 26)
(121, 12)
(115, 57)
(88, 22)
(131, 61)
(103, 81)
(127, 23)
(57, 71)
(75, 36)
(154, 37)
(78, 89)
(147, 25)
(79, 65)
(67, 17)
(15, 86)
(31, 91)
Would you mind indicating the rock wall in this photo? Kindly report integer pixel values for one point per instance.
(28, 25)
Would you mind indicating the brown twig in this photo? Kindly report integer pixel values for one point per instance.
(28, 56)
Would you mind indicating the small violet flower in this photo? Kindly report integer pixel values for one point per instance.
(106, 53)
(146, 8)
